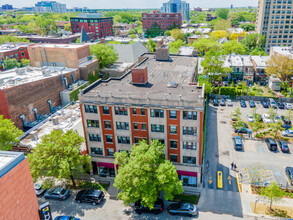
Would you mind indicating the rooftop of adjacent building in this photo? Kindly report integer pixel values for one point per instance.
(8, 160)
(186, 51)
(260, 61)
(180, 70)
(51, 36)
(12, 46)
(18, 76)
(72, 46)
(286, 51)
(64, 119)
(130, 53)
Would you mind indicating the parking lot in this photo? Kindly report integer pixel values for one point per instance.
(255, 151)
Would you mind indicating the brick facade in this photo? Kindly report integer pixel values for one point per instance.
(18, 53)
(138, 118)
(18, 199)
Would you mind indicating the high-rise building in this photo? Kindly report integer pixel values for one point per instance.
(50, 6)
(7, 7)
(275, 21)
(174, 6)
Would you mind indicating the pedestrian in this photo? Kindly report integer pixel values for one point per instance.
(232, 165)
(235, 167)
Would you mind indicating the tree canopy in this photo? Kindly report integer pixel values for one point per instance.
(106, 54)
(58, 155)
(272, 193)
(8, 134)
(281, 66)
(144, 173)
(177, 34)
(174, 46)
(222, 13)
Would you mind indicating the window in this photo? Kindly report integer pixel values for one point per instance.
(189, 145)
(162, 141)
(173, 144)
(107, 124)
(122, 125)
(93, 123)
(189, 130)
(120, 111)
(157, 113)
(172, 114)
(157, 128)
(134, 111)
(189, 115)
(91, 108)
(110, 152)
(22, 54)
(188, 180)
(106, 110)
(173, 129)
(142, 111)
(94, 137)
(97, 151)
(109, 139)
(173, 157)
(123, 140)
(191, 160)
(135, 127)
(136, 140)
(143, 126)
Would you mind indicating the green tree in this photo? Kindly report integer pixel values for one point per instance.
(257, 174)
(204, 45)
(272, 193)
(288, 115)
(11, 63)
(247, 27)
(144, 173)
(281, 66)
(58, 155)
(220, 25)
(230, 47)
(25, 62)
(9, 134)
(133, 36)
(222, 13)
(174, 46)
(167, 33)
(177, 34)
(154, 31)
(272, 113)
(131, 31)
(152, 46)
(253, 41)
(106, 54)
(67, 27)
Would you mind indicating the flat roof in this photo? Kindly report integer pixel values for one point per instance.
(120, 91)
(260, 61)
(50, 36)
(12, 46)
(285, 51)
(186, 51)
(59, 45)
(19, 76)
(8, 160)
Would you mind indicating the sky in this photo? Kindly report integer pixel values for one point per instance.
(114, 4)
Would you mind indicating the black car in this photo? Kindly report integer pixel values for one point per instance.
(184, 209)
(158, 207)
(243, 104)
(222, 102)
(241, 124)
(264, 104)
(216, 102)
(289, 174)
(90, 196)
(57, 193)
(272, 144)
(286, 121)
(283, 146)
(281, 105)
(241, 130)
(252, 104)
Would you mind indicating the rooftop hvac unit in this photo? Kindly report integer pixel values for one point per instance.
(34, 136)
(55, 121)
(46, 72)
(20, 71)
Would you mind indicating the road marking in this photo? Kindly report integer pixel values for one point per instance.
(229, 178)
(210, 180)
(220, 179)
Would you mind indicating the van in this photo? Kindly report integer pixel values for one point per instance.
(272, 103)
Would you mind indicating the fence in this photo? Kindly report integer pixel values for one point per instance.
(254, 98)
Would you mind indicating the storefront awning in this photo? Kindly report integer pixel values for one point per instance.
(186, 173)
(106, 165)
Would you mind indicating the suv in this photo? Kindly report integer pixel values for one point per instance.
(158, 207)
(273, 103)
(272, 144)
(90, 196)
(237, 143)
(289, 174)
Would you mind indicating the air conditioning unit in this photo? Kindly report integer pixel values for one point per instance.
(34, 136)
(55, 121)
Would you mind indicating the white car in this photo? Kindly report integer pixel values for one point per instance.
(288, 105)
(250, 118)
(229, 102)
(267, 119)
(287, 133)
(38, 189)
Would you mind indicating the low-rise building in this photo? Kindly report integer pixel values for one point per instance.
(187, 51)
(195, 37)
(274, 83)
(14, 50)
(158, 99)
(284, 51)
(211, 17)
(259, 66)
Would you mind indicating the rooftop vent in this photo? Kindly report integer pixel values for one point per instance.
(139, 75)
(20, 71)
(172, 85)
(162, 54)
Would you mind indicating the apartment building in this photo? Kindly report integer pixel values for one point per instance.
(14, 50)
(163, 20)
(177, 6)
(275, 21)
(50, 6)
(157, 99)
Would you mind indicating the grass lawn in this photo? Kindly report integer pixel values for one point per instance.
(193, 199)
(278, 211)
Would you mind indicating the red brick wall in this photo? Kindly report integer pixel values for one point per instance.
(200, 137)
(175, 137)
(3, 105)
(164, 20)
(105, 117)
(139, 119)
(139, 76)
(23, 98)
(18, 199)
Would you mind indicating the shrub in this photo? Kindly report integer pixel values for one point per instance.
(227, 91)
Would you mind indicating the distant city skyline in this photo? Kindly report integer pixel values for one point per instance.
(123, 4)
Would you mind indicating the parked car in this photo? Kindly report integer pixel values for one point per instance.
(264, 104)
(272, 103)
(238, 145)
(66, 218)
(287, 133)
(288, 106)
(57, 193)
(184, 209)
(216, 102)
(158, 207)
(233, 116)
(277, 118)
(222, 102)
(271, 143)
(229, 102)
(252, 104)
(281, 105)
(90, 196)
(267, 119)
(289, 174)
(243, 104)
(242, 124)
(285, 120)
(283, 146)
(258, 118)
(38, 189)
(250, 118)
(242, 130)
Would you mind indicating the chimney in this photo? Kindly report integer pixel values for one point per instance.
(162, 54)
(139, 76)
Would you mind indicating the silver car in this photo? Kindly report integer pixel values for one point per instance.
(38, 189)
(57, 193)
